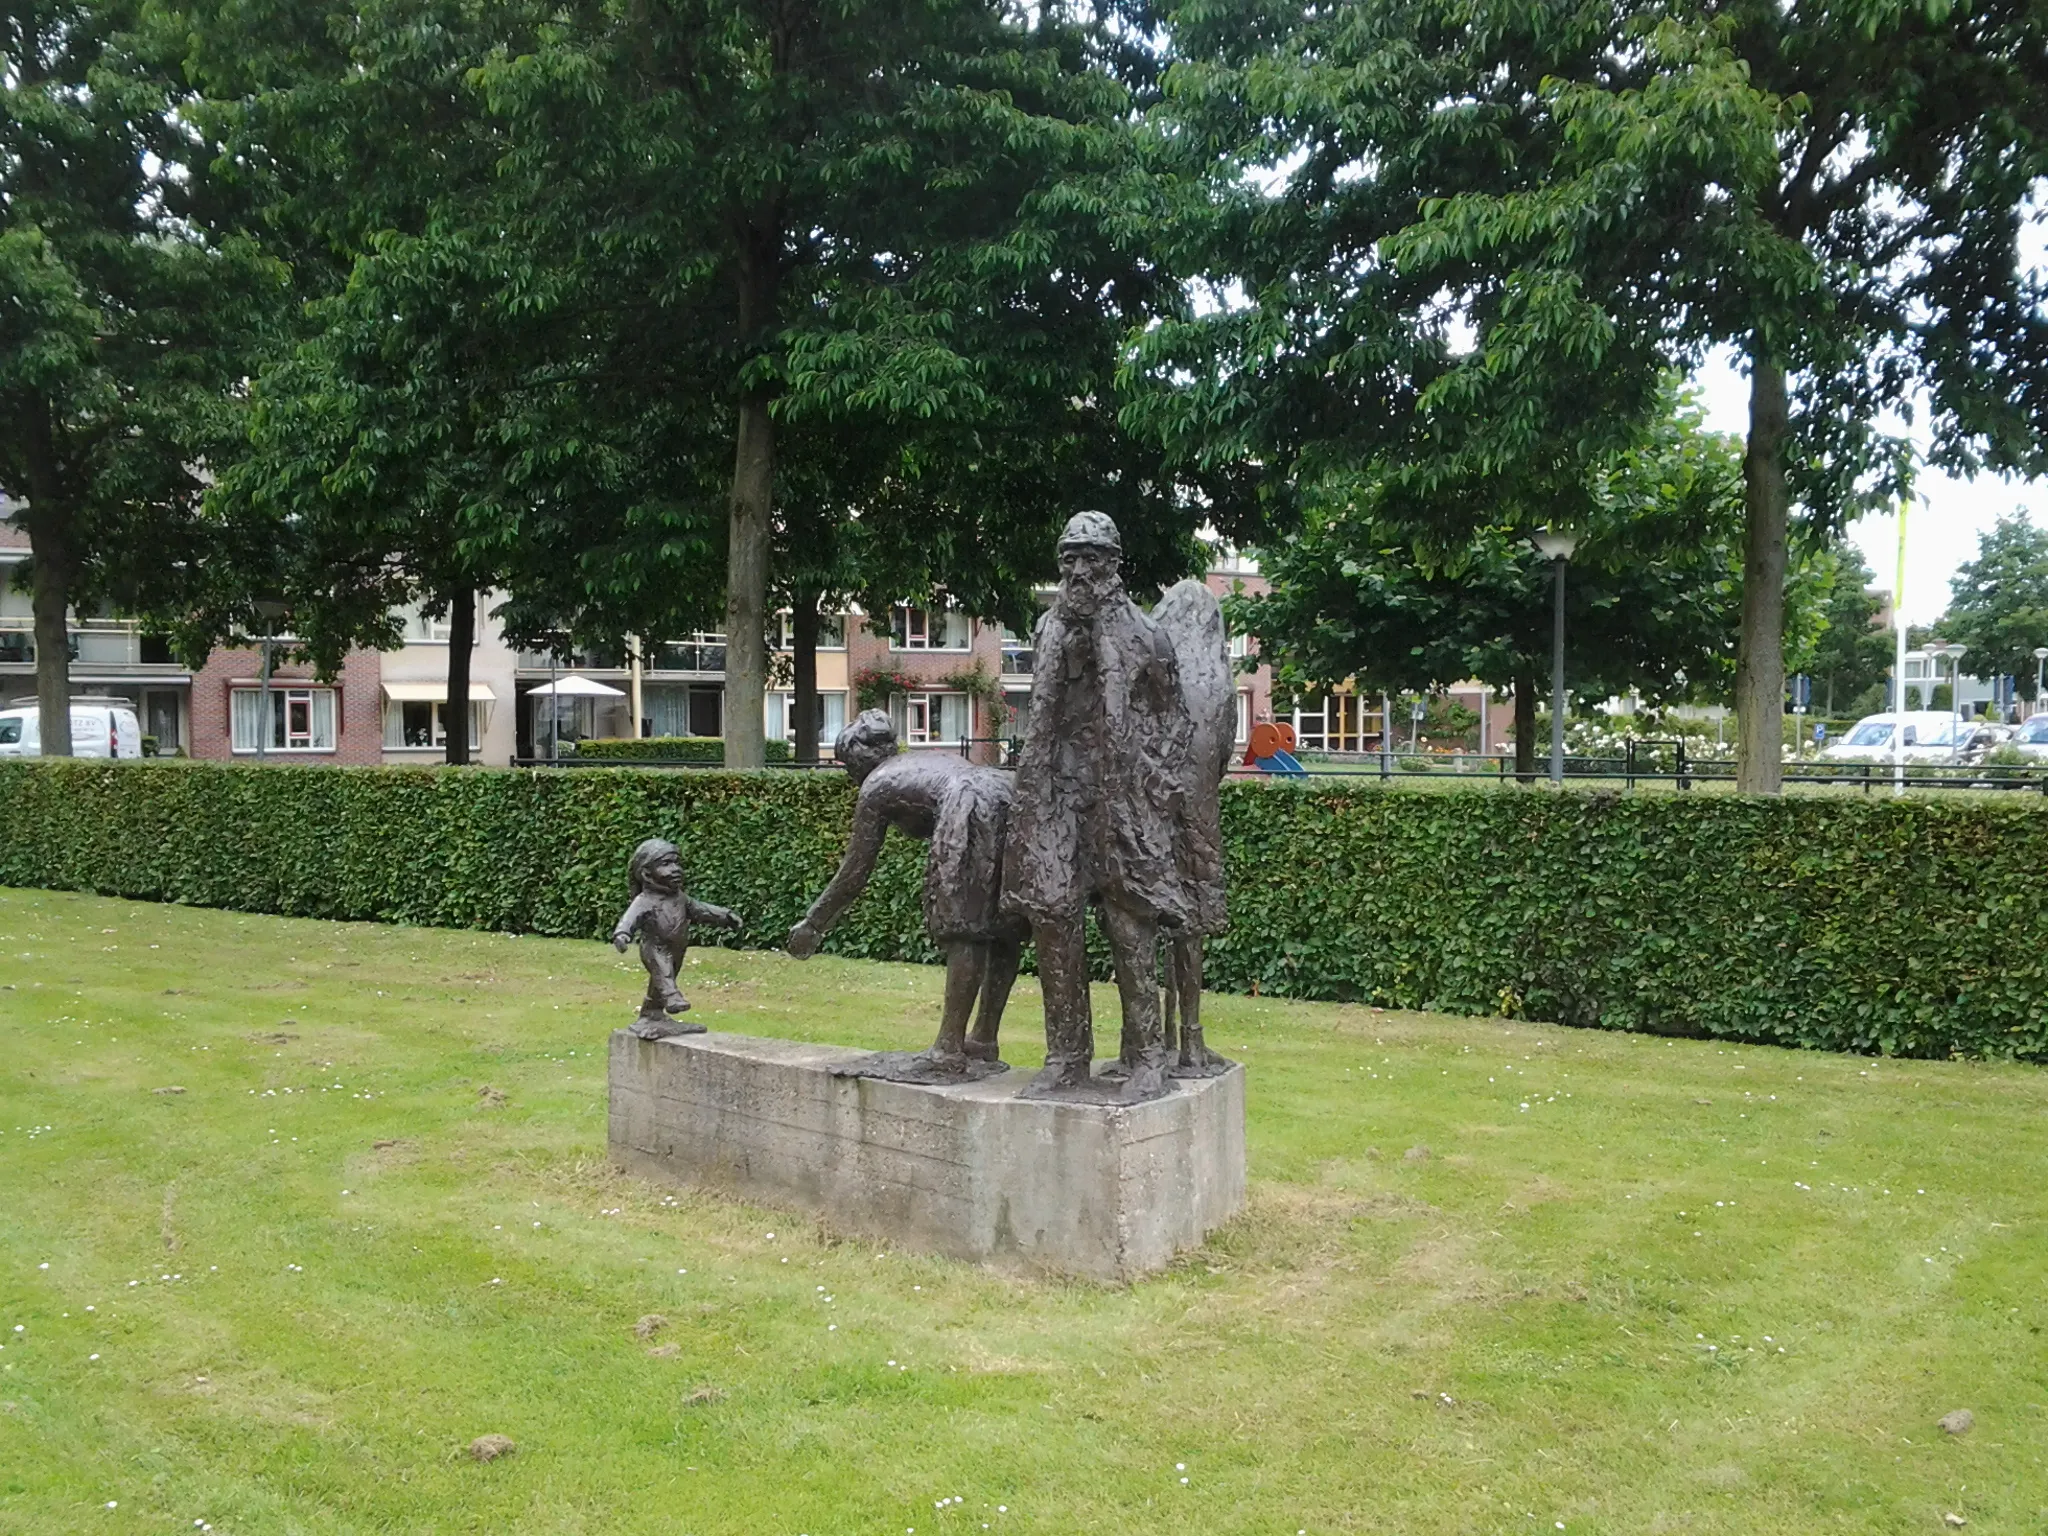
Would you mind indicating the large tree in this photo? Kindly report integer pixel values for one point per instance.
(1998, 605)
(126, 320)
(909, 222)
(1836, 191)
(1652, 591)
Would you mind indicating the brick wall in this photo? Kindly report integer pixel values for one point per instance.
(866, 650)
(359, 713)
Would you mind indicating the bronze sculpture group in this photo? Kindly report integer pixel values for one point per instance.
(1113, 806)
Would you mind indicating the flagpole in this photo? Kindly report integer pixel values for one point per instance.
(1899, 662)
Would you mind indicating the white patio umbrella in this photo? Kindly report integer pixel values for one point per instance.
(573, 687)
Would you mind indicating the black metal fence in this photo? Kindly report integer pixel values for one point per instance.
(1642, 762)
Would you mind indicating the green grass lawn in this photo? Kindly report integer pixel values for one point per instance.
(1632, 1285)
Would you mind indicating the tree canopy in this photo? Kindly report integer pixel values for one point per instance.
(128, 316)
(1555, 199)
(1652, 590)
(1999, 604)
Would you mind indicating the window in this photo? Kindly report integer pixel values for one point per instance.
(10, 732)
(301, 720)
(1240, 647)
(831, 631)
(930, 629)
(702, 652)
(417, 723)
(419, 629)
(1244, 714)
(929, 719)
(781, 722)
(1017, 656)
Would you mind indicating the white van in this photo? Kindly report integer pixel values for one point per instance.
(99, 728)
(1932, 736)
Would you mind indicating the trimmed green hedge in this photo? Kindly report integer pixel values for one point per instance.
(708, 750)
(1914, 927)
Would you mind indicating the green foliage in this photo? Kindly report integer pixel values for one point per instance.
(1848, 657)
(1652, 594)
(709, 750)
(1909, 927)
(1999, 603)
(874, 687)
(128, 314)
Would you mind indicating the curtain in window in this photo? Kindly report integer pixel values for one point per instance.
(323, 719)
(668, 710)
(246, 709)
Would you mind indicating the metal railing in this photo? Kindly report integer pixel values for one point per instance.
(1647, 762)
(93, 642)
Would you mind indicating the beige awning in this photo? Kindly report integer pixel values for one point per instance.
(435, 693)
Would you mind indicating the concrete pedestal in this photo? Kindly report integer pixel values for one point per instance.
(968, 1170)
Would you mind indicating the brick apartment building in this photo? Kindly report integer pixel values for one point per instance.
(391, 707)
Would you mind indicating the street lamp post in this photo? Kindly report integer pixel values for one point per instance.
(1954, 655)
(270, 610)
(1557, 549)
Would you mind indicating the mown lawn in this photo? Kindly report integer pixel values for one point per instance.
(1631, 1285)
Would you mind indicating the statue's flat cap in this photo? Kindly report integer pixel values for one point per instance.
(1091, 529)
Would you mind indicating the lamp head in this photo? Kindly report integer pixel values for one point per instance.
(1552, 545)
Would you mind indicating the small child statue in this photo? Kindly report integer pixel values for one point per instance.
(661, 913)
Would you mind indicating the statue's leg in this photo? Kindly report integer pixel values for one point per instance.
(662, 997)
(1063, 979)
(1169, 999)
(1187, 982)
(661, 976)
(1134, 943)
(966, 961)
(997, 979)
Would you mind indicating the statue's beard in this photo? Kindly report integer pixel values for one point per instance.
(1085, 600)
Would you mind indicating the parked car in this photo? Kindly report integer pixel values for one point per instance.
(2031, 739)
(1931, 736)
(99, 728)
(1980, 739)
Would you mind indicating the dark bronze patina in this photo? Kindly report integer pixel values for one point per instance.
(661, 913)
(961, 810)
(1103, 815)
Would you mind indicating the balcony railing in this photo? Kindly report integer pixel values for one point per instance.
(93, 643)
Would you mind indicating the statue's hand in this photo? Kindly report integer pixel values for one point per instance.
(620, 941)
(803, 940)
(734, 921)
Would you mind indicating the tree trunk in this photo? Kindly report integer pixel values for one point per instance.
(1525, 725)
(1760, 649)
(804, 699)
(746, 587)
(461, 640)
(52, 543)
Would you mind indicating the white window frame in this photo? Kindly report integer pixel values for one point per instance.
(780, 718)
(783, 636)
(1244, 715)
(910, 629)
(289, 699)
(918, 710)
(394, 726)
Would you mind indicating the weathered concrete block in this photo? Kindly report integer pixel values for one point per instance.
(971, 1170)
